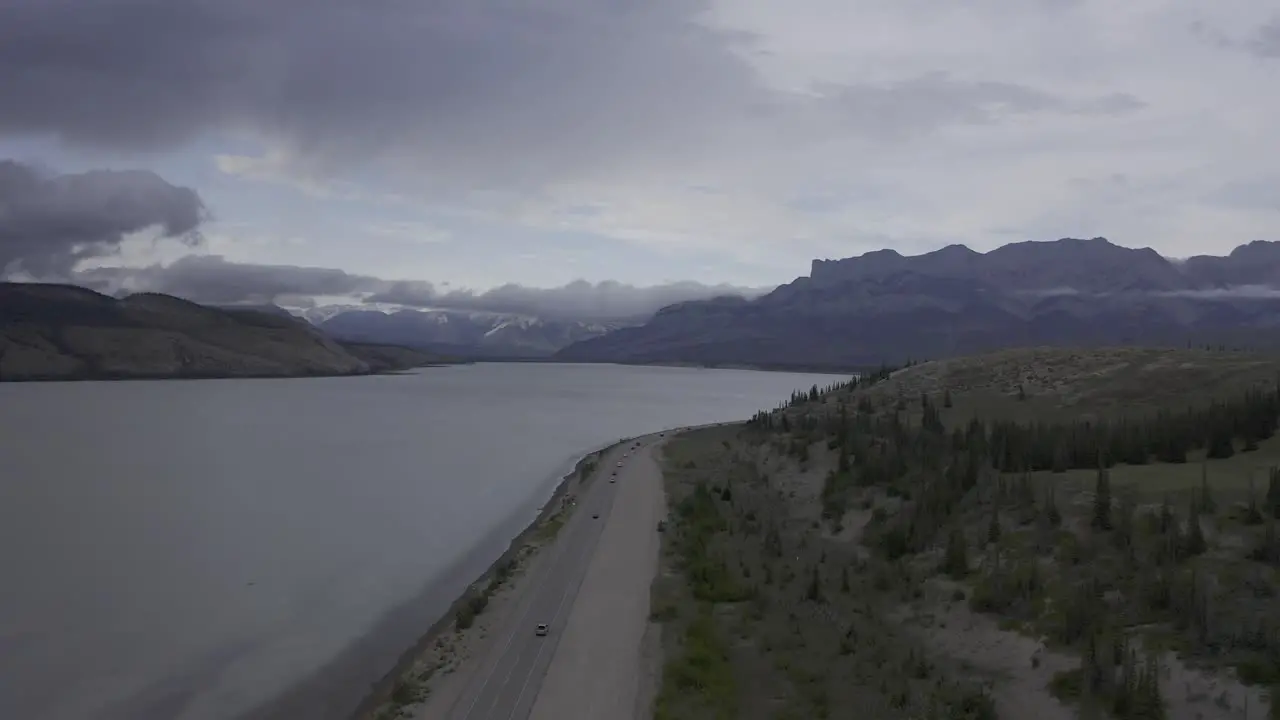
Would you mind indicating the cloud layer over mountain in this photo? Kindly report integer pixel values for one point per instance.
(214, 280)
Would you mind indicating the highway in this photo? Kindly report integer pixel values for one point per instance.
(507, 682)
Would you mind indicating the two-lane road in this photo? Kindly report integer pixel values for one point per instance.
(508, 681)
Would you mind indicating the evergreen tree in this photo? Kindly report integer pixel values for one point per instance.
(1124, 525)
(1273, 492)
(1207, 505)
(1194, 544)
(1253, 516)
(1051, 509)
(1102, 501)
(814, 592)
(956, 560)
(1220, 445)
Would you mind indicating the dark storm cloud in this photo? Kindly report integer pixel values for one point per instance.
(464, 82)
(49, 222)
(213, 280)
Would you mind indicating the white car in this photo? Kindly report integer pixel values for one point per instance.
(541, 630)
(619, 464)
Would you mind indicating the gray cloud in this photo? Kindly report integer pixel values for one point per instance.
(1266, 43)
(543, 86)
(1257, 193)
(1238, 292)
(934, 100)
(50, 222)
(485, 92)
(1235, 292)
(214, 280)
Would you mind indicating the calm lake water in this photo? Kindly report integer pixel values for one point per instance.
(200, 549)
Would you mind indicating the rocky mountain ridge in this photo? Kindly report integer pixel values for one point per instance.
(886, 307)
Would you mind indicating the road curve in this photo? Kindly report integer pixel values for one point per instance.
(509, 680)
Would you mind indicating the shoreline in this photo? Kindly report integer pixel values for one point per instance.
(797, 369)
(386, 697)
(143, 377)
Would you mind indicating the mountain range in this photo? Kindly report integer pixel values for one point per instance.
(886, 307)
(475, 335)
(64, 332)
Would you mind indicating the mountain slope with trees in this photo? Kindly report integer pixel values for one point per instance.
(1040, 533)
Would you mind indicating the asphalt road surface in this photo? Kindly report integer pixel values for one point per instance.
(508, 682)
(601, 670)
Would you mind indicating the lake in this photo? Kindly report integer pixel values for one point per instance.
(195, 549)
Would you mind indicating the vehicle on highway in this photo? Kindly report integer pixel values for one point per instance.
(540, 630)
(619, 464)
(595, 516)
(613, 478)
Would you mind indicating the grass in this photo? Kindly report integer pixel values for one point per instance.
(699, 682)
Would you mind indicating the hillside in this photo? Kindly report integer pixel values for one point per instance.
(1044, 533)
(62, 332)
(885, 307)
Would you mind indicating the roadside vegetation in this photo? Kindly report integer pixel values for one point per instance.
(1032, 533)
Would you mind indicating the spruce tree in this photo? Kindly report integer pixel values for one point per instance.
(1102, 501)
(1273, 492)
(1253, 516)
(1195, 543)
(814, 592)
(1207, 505)
(956, 561)
(1051, 509)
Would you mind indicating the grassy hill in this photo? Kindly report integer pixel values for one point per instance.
(1032, 533)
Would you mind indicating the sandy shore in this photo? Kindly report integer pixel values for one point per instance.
(427, 678)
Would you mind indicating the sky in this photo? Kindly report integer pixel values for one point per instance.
(568, 153)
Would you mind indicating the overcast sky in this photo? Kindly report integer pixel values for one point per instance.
(468, 144)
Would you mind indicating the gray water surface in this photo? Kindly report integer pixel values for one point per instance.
(196, 549)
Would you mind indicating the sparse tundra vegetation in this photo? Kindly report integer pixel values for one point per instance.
(1026, 534)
